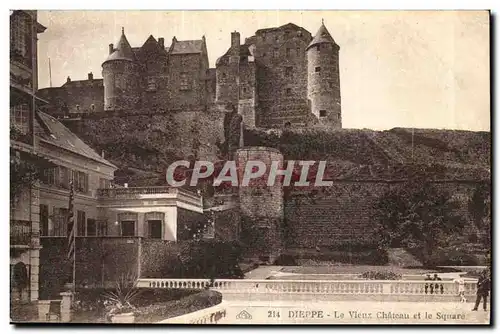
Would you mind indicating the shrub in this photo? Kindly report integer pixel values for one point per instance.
(381, 275)
(209, 259)
(164, 310)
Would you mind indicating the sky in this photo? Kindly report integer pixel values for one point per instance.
(425, 69)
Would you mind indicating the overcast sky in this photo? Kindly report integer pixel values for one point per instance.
(397, 69)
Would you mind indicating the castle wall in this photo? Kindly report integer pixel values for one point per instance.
(282, 76)
(186, 81)
(343, 213)
(121, 85)
(261, 206)
(79, 97)
(324, 83)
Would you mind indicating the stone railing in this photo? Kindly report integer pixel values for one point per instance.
(320, 287)
(133, 191)
(173, 283)
(209, 316)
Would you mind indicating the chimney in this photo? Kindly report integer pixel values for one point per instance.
(91, 76)
(68, 79)
(111, 48)
(235, 39)
(161, 42)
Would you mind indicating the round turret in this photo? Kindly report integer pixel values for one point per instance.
(121, 76)
(323, 80)
(261, 206)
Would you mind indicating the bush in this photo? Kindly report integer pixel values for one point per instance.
(209, 259)
(381, 275)
(164, 310)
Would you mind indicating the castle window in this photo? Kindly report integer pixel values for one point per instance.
(322, 113)
(276, 53)
(151, 84)
(243, 90)
(264, 54)
(19, 116)
(298, 51)
(288, 52)
(184, 81)
(288, 91)
(92, 107)
(299, 33)
(223, 75)
(288, 71)
(277, 38)
(317, 47)
(77, 107)
(317, 69)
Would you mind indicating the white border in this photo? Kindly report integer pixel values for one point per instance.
(190, 4)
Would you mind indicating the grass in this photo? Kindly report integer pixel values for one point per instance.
(358, 269)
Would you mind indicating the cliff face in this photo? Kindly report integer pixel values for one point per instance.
(143, 146)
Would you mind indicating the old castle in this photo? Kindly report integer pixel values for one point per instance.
(280, 76)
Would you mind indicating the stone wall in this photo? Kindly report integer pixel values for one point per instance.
(77, 97)
(343, 213)
(187, 82)
(282, 75)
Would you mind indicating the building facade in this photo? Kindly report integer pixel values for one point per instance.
(24, 194)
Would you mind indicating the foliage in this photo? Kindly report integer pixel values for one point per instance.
(381, 275)
(417, 215)
(120, 300)
(209, 259)
(479, 207)
(167, 309)
(23, 174)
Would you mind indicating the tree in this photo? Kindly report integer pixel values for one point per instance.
(479, 207)
(417, 215)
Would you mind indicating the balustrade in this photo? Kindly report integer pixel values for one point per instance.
(209, 316)
(20, 233)
(344, 287)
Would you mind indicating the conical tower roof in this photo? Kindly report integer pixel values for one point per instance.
(123, 50)
(322, 36)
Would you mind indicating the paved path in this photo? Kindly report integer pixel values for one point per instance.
(349, 312)
(262, 272)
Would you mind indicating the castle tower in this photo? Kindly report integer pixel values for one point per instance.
(121, 76)
(261, 206)
(323, 80)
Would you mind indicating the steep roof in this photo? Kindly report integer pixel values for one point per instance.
(185, 47)
(224, 59)
(322, 36)
(285, 26)
(50, 130)
(123, 50)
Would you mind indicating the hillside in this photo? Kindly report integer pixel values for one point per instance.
(143, 146)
